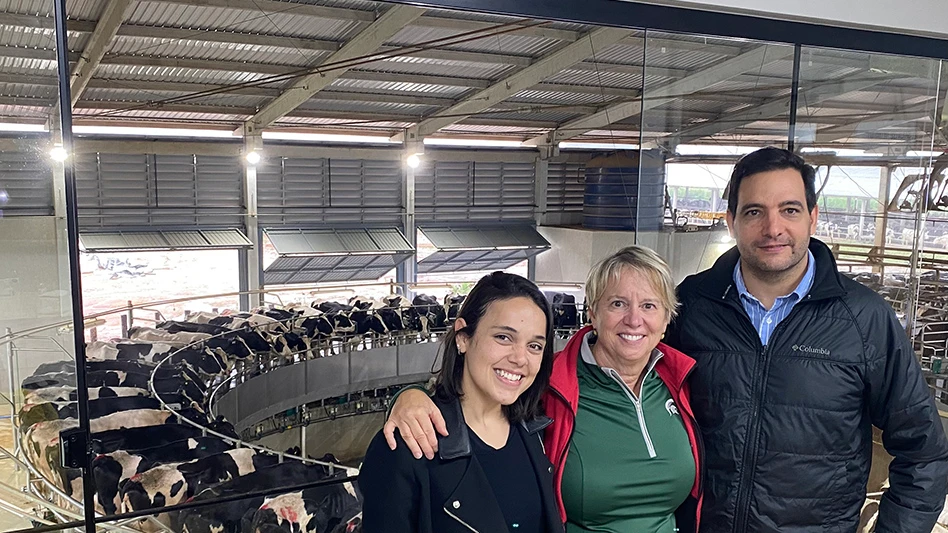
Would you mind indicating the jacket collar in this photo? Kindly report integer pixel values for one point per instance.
(719, 282)
(458, 442)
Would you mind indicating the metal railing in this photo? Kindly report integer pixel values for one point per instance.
(10, 340)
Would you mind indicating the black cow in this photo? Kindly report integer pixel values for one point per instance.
(392, 318)
(332, 307)
(367, 323)
(146, 437)
(53, 379)
(229, 347)
(174, 326)
(55, 367)
(565, 312)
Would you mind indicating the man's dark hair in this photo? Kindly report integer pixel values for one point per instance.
(496, 287)
(765, 160)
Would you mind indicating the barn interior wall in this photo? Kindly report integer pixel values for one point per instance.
(574, 251)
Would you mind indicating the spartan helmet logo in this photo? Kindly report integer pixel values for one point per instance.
(671, 407)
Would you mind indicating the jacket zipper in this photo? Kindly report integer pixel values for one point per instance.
(752, 445)
(638, 411)
(465, 524)
(699, 442)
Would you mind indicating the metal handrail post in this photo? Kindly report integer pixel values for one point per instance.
(11, 361)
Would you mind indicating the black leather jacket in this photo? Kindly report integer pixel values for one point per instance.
(787, 427)
(449, 494)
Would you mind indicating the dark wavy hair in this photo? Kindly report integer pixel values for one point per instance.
(496, 287)
(765, 160)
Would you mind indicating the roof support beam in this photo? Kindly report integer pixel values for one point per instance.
(541, 69)
(105, 29)
(809, 96)
(725, 70)
(367, 41)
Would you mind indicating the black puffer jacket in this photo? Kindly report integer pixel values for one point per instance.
(787, 427)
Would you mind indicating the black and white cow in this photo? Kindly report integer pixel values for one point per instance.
(113, 469)
(452, 307)
(252, 321)
(229, 517)
(170, 484)
(145, 437)
(427, 315)
(69, 394)
(44, 412)
(313, 510)
(178, 340)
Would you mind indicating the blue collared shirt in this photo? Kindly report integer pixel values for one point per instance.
(765, 321)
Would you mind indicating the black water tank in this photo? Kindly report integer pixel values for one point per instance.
(621, 194)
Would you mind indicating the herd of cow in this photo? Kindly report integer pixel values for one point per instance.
(148, 458)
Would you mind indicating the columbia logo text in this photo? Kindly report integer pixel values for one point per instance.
(810, 349)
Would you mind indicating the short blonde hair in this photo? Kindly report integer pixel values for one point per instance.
(640, 259)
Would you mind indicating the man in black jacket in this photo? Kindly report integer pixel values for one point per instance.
(796, 363)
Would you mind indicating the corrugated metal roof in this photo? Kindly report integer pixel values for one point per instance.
(19, 65)
(27, 37)
(39, 7)
(505, 44)
(442, 67)
(131, 46)
(669, 56)
(596, 78)
(148, 73)
(198, 17)
(561, 97)
(444, 91)
(316, 103)
(29, 90)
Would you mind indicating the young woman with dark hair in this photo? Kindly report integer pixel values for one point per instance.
(491, 473)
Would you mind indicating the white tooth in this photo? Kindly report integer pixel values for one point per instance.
(508, 375)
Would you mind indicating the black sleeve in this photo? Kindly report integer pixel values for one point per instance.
(672, 337)
(901, 405)
(391, 489)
